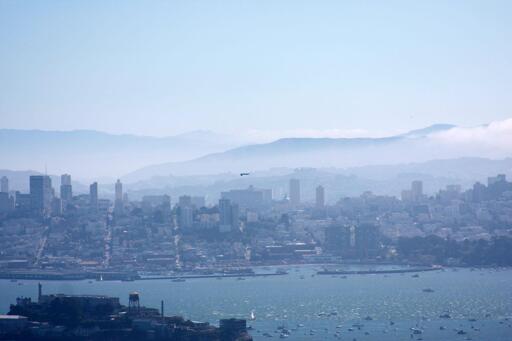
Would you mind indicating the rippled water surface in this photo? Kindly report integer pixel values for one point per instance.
(312, 307)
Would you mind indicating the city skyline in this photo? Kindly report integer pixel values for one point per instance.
(244, 170)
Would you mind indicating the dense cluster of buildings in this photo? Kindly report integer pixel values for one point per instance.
(49, 230)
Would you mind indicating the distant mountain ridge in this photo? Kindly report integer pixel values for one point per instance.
(92, 153)
(303, 152)
(95, 156)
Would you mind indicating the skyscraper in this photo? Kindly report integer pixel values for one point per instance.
(229, 215)
(225, 211)
(417, 190)
(93, 196)
(186, 211)
(294, 191)
(4, 202)
(66, 191)
(185, 200)
(496, 179)
(118, 203)
(235, 216)
(186, 216)
(40, 193)
(320, 197)
(250, 198)
(56, 206)
(119, 190)
(4, 184)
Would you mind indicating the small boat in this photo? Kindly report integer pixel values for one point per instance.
(284, 335)
(428, 290)
(178, 280)
(252, 317)
(416, 331)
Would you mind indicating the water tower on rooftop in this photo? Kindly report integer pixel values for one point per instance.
(134, 302)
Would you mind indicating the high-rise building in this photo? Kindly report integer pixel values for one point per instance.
(185, 200)
(4, 184)
(185, 211)
(417, 190)
(479, 192)
(23, 202)
(66, 191)
(161, 201)
(56, 206)
(496, 179)
(40, 193)
(250, 198)
(294, 192)
(320, 197)
(235, 216)
(415, 193)
(65, 179)
(119, 190)
(185, 216)
(93, 196)
(118, 203)
(225, 211)
(229, 215)
(4, 202)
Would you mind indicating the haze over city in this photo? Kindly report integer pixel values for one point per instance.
(247, 170)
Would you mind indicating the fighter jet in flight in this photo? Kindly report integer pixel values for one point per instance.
(242, 174)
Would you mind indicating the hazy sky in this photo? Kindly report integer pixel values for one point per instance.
(165, 67)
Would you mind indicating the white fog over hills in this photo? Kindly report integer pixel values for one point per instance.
(440, 154)
(441, 141)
